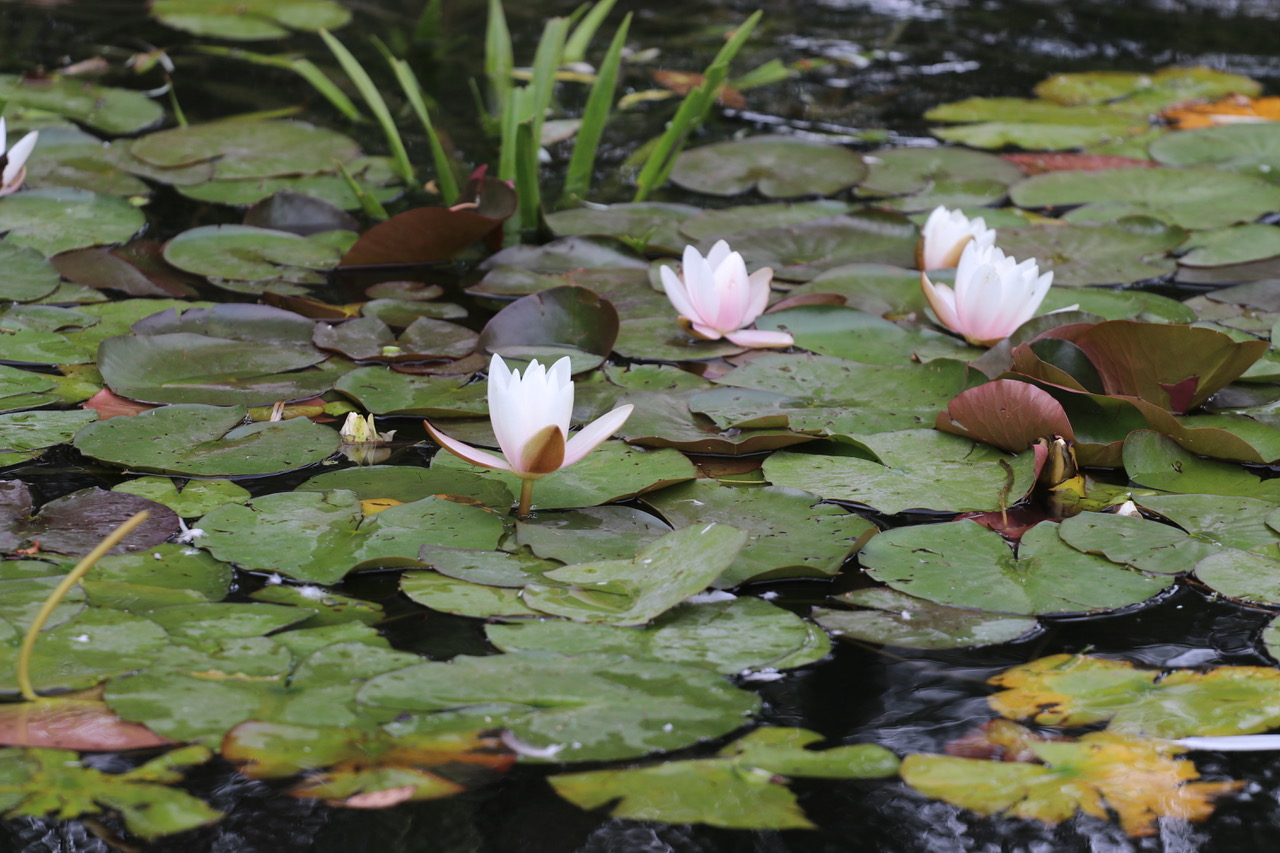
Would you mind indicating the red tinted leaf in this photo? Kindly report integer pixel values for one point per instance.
(1005, 413)
(1037, 163)
(79, 721)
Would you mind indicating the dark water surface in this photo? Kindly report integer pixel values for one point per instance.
(890, 60)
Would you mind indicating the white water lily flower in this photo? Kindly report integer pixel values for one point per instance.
(993, 295)
(945, 235)
(530, 417)
(717, 299)
(13, 161)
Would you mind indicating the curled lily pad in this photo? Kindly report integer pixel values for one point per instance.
(778, 166)
(425, 234)
(561, 318)
(1005, 413)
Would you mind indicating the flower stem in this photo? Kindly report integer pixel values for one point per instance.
(526, 498)
(81, 569)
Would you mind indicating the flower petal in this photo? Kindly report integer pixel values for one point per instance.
(466, 452)
(586, 440)
(760, 338)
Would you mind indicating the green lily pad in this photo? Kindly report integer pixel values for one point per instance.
(594, 533)
(916, 469)
(792, 533)
(27, 435)
(741, 788)
(465, 598)
(90, 648)
(196, 497)
(1190, 198)
(1156, 461)
(558, 318)
(726, 223)
(248, 149)
(320, 537)
(28, 276)
(1131, 250)
(658, 224)
(1237, 245)
(408, 484)
(58, 220)
(247, 253)
(1144, 93)
(370, 339)
(1136, 542)
(928, 177)
(963, 564)
(896, 619)
(821, 394)
(1031, 124)
(613, 471)
(165, 566)
(207, 441)
(632, 592)
(105, 108)
(1076, 690)
(857, 336)
(1243, 575)
(593, 707)
(1249, 148)
(22, 389)
(382, 391)
(802, 251)
(39, 782)
(249, 20)
(779, 166)
(767, 637)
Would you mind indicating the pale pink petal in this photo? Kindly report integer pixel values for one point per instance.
(718, 253)
(760, 338)
(677, 293)
(942, 300)
(586, 440)
(758, 282)
(706, 332)
(733, 291)
(466, 452)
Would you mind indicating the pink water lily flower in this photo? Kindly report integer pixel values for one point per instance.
(717, 299)
(944, 236)
(530, 417)
(13, 161)
(993, 295)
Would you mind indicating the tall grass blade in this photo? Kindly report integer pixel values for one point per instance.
(369, 91)
(546, 62)
(304, 68)
(446, 178)
(582, 162)
(575, 47)
(692, 112)
(499, 56)
(430, 23)
(371, 207)
(527, 168)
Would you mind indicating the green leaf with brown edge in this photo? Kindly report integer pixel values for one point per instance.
(427, 765)
(1136, 778)
(1078, 690)
(38, 782)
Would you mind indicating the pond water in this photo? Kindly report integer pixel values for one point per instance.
(887, 62)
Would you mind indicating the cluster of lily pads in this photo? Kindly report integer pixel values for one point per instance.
(629, 609)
